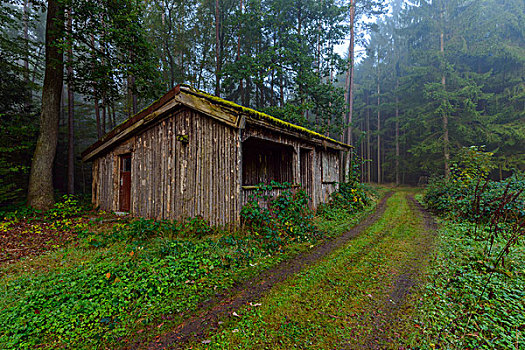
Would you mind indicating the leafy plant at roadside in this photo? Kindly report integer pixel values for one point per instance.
(275, 220)
(196, 227)
(469, 194)
(492, 226)
(67, 207)
(349, 198)
(19, 213)
(141, 230)
(497, 209)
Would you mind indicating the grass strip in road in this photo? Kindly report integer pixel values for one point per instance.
(340, 300)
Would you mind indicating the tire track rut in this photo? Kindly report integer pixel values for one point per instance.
(222, 306)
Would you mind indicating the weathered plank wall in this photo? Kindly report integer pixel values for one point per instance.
(103, 191)
(326, 174)
(185, 166)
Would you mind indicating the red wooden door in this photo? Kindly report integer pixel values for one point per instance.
(125, 183)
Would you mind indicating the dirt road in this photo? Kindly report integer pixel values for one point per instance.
(356, 292)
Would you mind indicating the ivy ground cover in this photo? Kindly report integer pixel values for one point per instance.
(470, 303)
(141, 277)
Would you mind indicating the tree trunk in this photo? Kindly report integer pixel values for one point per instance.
(95, 95)
(378, 122)
(217, 51)
(132, 97)
(281, 90)
(362, 153)
(100, 133)
(397, 134)
(40, 192)
(350, 84)
(241, 87)
(114, 115)
(318, 46)
(71, 111)
(27, 103)
(446, 151)
(368, 149)
(103, 116)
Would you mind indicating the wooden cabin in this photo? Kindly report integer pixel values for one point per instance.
(192, 154)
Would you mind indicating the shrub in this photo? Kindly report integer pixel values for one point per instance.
(18, 213)
(476, 199)
(469, 194)
(196, 227)
(67, 207)
(349, 198)
(497, 208)
(284, 218)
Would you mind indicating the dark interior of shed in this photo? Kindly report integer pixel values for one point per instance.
(264, 161)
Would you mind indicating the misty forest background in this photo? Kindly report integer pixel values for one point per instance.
(427, 78)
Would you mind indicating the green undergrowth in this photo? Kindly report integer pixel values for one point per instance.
(478, 297)
(468, 193)
(472, 304)
(351, 197)
(331, 304)
(135, 279)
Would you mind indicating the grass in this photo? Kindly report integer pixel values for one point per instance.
(85, 297)
(462, 308)
(335, 302)
(114, 294)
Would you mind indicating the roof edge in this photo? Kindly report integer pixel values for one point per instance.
(250, 113)
(133, 119)
(260, 115)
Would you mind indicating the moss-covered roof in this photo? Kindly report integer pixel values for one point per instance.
(259, 115)
(122, 130)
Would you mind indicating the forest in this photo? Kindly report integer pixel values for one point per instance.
(408, 83)
(371, 154)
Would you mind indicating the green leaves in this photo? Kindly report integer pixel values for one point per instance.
(278, 219)
(460, 309)
(350, 198)
(147, 271)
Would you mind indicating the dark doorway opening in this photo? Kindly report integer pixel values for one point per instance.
(125, 183)
(264, 161)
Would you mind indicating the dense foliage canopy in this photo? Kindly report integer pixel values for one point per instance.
(443, 74)
(430, 76)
